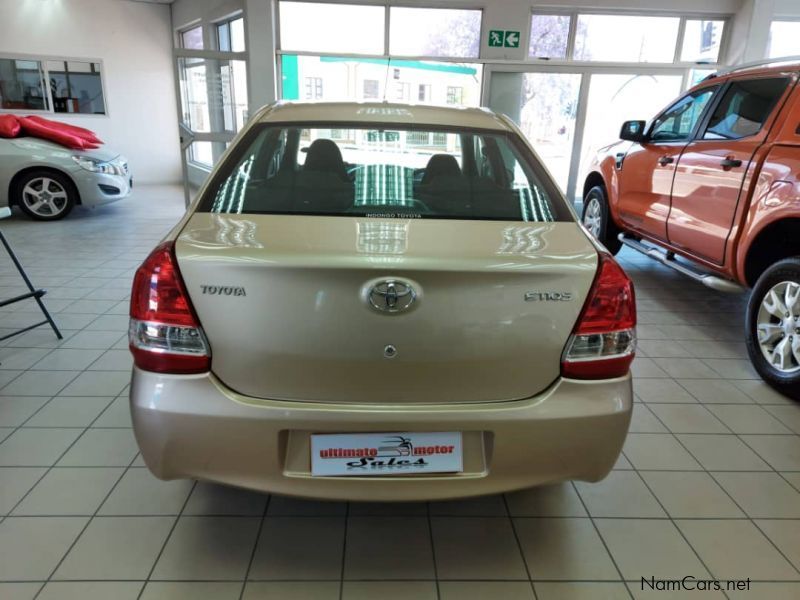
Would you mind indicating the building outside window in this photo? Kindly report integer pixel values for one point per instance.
(424, 94)
(371, 89)
(401, 91)
(455, 95)
(313, 88)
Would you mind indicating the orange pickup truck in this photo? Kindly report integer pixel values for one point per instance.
(714, 179)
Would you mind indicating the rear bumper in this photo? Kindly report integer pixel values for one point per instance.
(191, 426)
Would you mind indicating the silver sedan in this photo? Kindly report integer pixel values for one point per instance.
(47, 180)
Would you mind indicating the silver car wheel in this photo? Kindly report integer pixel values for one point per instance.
(45, 197)
(778, 326)
(593, 217)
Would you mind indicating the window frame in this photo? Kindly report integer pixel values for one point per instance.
(676, 56)
(43, 59)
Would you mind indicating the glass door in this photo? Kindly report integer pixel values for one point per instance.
(545, 106)
(618, 97)
(569, 112)
(212, 87)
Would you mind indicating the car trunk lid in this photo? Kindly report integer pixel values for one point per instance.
(284, 301)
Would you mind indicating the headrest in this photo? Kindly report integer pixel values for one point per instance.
(441, 165)
(324, 156)
(754, 108)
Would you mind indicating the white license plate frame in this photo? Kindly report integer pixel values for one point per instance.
(370, 454)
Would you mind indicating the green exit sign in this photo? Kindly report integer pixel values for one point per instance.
(499, 38)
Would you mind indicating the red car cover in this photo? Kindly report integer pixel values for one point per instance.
(9, 126)
(76, 138)
(86, 134)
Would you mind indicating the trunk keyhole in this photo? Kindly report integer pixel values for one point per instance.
(389, 351)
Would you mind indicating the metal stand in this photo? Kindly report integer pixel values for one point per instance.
(32, 293)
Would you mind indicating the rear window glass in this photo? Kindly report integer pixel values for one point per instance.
(382, 172)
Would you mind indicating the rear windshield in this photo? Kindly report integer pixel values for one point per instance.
(382, 172)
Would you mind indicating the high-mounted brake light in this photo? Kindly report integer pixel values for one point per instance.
(603, 343)
(164, 333)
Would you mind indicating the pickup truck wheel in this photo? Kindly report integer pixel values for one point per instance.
(598, 221)
(773, 327)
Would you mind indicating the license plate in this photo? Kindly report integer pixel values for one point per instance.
(364, 454)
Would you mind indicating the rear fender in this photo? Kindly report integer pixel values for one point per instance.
(775, 200)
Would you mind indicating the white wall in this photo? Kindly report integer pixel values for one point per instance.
(787, 9)
(134, 42)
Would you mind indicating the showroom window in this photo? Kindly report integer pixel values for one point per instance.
(192, 39)
(230, 35)
(783, 36)
(625, 38)
(435, 32)
(549, 36)
(702, 40)
(306, 26)
(380, 52)
(61, 86)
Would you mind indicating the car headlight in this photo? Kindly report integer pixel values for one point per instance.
(98, 166)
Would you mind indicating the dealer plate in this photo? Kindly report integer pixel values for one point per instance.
(364, 454)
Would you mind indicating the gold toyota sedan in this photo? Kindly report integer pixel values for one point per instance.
(381, 302)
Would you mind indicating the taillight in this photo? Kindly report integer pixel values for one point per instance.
(164, 333)
(603, 342)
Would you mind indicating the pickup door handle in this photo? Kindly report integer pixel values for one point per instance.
(729, 162)
(665, 160)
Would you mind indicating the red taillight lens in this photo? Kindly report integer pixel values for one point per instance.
(603, 342)
(164, 334)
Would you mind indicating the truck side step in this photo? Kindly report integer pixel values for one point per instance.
(668, 259)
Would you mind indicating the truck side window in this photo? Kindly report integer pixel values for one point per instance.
(744, 108)
(678, 122)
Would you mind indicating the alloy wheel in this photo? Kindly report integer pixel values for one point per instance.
(593, 217)
(45, 197)
(778, 326)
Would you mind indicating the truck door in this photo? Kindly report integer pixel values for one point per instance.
(646, 172)
(710, 175)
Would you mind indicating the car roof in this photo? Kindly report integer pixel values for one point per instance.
(382, 112)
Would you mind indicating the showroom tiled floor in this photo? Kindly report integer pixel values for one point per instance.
(709, 484)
